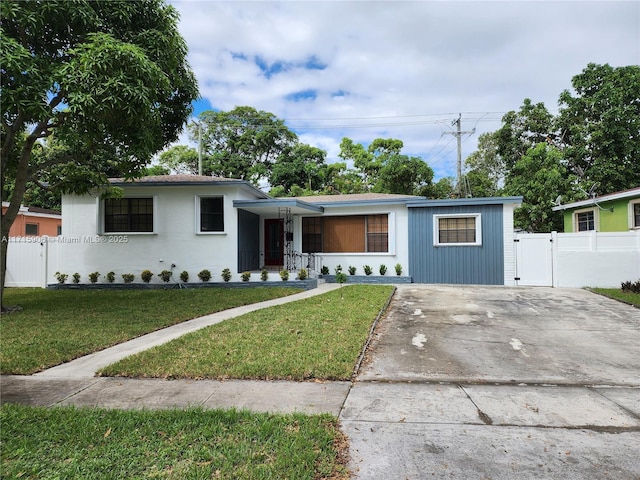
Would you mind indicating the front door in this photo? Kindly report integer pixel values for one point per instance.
(273, 241)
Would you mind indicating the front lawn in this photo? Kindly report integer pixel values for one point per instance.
(56, 326)
(618, 294)
(52, 443)
(316, 338)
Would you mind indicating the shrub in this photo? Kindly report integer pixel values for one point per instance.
(184, 276)
(61, 277)
(352, 270)
(146, 276)
(128, 277)
(93, 277)
(284, 275)
(632, 287)
(302, 274)
(226, 274)
(165, 275)
(76, 278)
(111, 277)
(246, 276)
(367, 270)
(398, 268)
(204, 275)
(324, 270)
(264, 275)
(341, 277)
(383, 269)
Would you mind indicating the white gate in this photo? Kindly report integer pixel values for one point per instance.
(534, 259)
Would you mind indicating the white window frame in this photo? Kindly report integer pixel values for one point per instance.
(478, 221)
(632, 204)
(596, 219)
(155, 217)
(197, 219)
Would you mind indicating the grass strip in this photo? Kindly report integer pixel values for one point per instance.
(56, 326)
(617, 294)
(315, 338)
(64, 442)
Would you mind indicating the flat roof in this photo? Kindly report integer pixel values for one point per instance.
(631, 193)
(185, 180)
(452, 202)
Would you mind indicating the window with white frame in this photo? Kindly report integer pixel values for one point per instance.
(634, 214)
(457, 230)
(129, 215)
(584, 220)
(210, 212)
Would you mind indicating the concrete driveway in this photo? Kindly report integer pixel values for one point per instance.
(498, 383)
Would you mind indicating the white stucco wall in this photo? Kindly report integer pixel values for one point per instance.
(175, 240)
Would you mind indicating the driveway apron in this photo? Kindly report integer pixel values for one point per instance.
(472, 382)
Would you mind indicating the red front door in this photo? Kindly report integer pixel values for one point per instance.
(273, 241)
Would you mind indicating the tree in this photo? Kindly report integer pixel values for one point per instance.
(301, 165)
(539, 177)
(443, 188)
(600, 126)
(183, 160)
(405, 175)
(109, 78)
(485, 169)
(243, 143)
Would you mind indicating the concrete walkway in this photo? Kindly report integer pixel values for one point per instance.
(75, 383)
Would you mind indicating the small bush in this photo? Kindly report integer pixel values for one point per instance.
(367, 270)
(93, 277)
(146, 276)
(165, 275)
(398, 268)
(341, 277)
(226, 274)
(61, 277)
(383, 269)
(111, 277)
(338, 269)
(324, 270)
(284, 275)
(76, 278)
(204, 275)
(128, 277)
(632, 287)
(246, 276)
(184, 276)
(302, 274)
(352, 270)
(264, 275)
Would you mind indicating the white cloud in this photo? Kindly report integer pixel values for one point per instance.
(398, 60)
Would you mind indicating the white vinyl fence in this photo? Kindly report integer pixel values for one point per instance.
(585, 259)
(32, 261)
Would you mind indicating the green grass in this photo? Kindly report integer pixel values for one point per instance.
(56, 326)
(618, 294)
(316, 338)
(53, 443)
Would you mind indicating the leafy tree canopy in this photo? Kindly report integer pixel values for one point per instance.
(110, 78)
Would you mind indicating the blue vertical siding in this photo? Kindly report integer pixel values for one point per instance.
(248, 241)
(472, 265)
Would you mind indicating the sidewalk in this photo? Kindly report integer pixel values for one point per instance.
(75, 383)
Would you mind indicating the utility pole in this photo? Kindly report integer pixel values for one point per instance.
(458, 133)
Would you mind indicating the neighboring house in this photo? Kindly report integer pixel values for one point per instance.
(34, 221)
(184, 222)
(615, 212)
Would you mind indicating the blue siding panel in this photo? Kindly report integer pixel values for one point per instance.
(468, 265)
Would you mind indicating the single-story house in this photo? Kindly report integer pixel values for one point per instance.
(615, 212)
(34, 221)
(189, 223)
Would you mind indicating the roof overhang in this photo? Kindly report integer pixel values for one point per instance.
(273, 205)
(632, 193)
(457, 202)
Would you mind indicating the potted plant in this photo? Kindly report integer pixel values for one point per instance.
(383, 269)
(398, 268)
(367, 270)
(352, 270)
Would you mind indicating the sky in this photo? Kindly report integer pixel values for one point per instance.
(394, 69)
